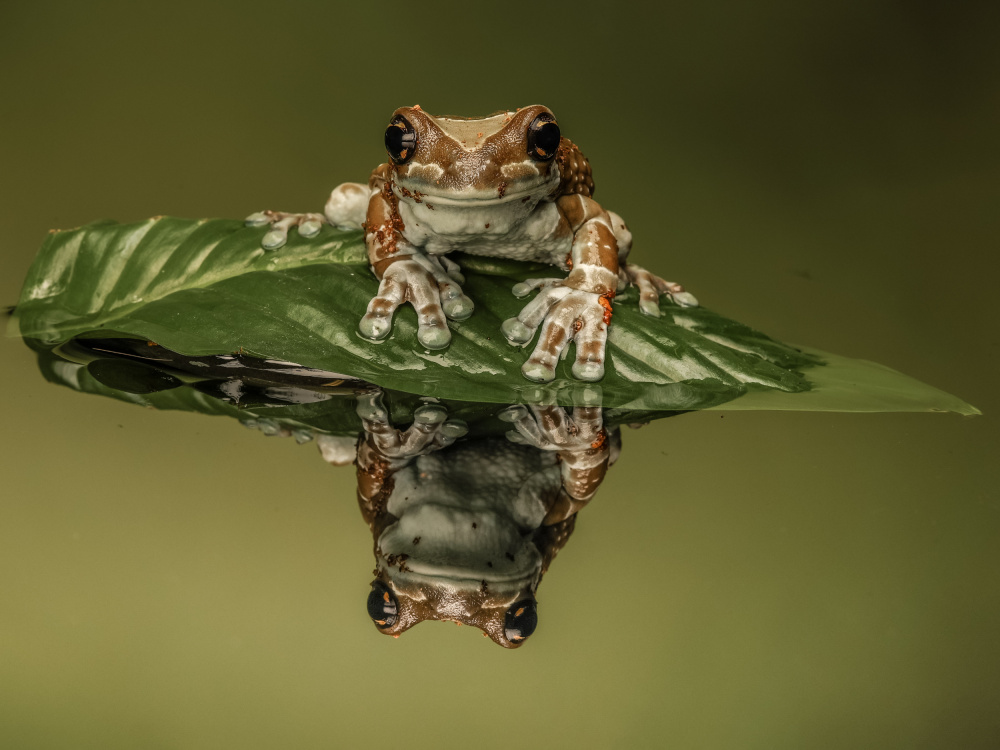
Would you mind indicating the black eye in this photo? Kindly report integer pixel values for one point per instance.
(543, 137)
(520, 621)
(382, 605)
(400, 140)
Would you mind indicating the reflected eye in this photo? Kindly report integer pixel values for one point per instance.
(520, 621)
(400, 140)
(543, 137)
(382, 605)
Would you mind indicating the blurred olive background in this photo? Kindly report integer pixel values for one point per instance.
(826, 172)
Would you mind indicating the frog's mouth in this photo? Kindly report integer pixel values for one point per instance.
(460, 576)
(428, 183)
(453, 569)
(461, 581)
(476, 199)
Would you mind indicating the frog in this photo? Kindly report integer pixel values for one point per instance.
(507, 185)
(465, 526)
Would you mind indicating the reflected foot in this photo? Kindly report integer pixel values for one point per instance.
(552, 428)
(431, 429)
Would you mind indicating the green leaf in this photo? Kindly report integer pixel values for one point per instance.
(206, 287)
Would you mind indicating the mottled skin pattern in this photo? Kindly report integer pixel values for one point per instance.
(465, 530)
(488, 186)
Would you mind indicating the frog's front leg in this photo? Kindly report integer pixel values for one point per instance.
(425, 282)
(383, 449)
(576, 309)
(430, 283)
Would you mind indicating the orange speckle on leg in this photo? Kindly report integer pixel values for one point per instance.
(605, 301)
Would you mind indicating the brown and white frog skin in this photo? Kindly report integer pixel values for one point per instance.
(507, 185)
(464, 529)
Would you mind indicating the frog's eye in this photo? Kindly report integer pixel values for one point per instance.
(520, 621)
(382, 605)
(400, 140)
(543, 137)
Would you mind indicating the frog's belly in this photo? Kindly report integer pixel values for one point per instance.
(552, 251)
(504, 231)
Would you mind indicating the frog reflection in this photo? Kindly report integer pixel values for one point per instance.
(465, 529)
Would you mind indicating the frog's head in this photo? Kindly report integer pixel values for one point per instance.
(508, 618)
(505, 157)
(471, 565)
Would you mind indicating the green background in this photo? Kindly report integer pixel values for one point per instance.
(824, 172)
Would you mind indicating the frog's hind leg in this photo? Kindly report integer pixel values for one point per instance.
(623, 237)
(650, 285)
(650, 288)
(347, 205)
(345, 209)
(309, 225)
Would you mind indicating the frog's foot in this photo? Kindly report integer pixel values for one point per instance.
(431, 285)
(451, 268)
(338, 450)
(280, 222)
(274, 428)
(431, 429)
(552, 428)
(526, 287)
(651, 287)
(568, 315)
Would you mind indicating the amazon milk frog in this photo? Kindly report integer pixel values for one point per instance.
(507, 185)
